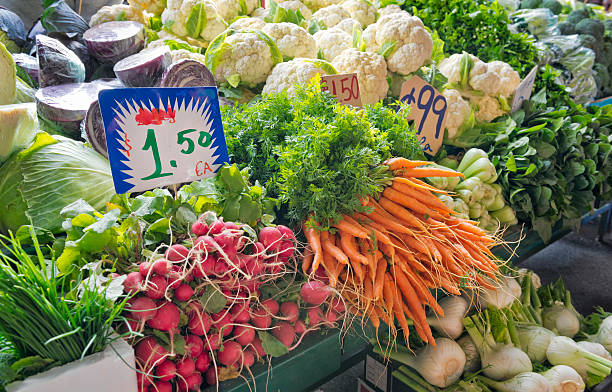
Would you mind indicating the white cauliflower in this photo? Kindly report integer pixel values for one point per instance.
(510, 79)
(451, 69)
(176, 14)
(484, 79)
(331, 15)
(229, 9)
(292, 40)
(413, 44)
(349, 25)
(296, 5)
(152, 6)
(332, 42)
(245, 57)
(371, 70)
(315, 5)
(298, 71)
(181, 54)
(390, 9)
(369, 38)
(114, 12)
(361, 10)
(486, 108)
(249, 23)
(260, 13)
(458, 111)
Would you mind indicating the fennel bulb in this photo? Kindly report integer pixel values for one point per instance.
(451, 324)
(604, 334)
(507, 292)
(563, 378)
(595, 348)
(561, 319)
(523, 382)
(534, 341)
(592, 368)
(535, 279)
(472, 357)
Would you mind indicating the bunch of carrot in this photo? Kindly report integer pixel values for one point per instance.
(385, 262)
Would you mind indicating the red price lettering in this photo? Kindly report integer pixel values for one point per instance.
(202, 166)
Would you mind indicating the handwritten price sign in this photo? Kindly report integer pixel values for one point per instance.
(427, 110)
(345, 87)
(523, 90)
(162, 136)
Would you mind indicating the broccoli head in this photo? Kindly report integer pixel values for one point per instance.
(552, 5)
(577, 15)
(592, 27)
(530, 3)
(592, 43)
(566, 28)
(608, 24)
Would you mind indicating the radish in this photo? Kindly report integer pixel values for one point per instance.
(156, 288)
(248, 358)
(193, 346)
(198, 228)
(141, 308)
(183, 293)
(286, 251)
(203, 362)
(258, 347)
(230, 353)
(300, 327)
(144, 268)
(194, 381)
(142, 380)
(185, 367)
(315, 316)
(231, 226)
(228, 238)
(199, 323)
(221, 268)
(244, 334)
(166, 319)
(286, 232)
(284, 332)
(174, 279)
(331, 317)
(161, 386)
(240, 313)
(149, 352)
(337, 305)
(166, 370)
(205, 243)
(290, 311)
(177, 252)
(216, 227)
(133, 283)
(211, 376)
(315, 292)
(271, 305)
(162, 267)
(223, 321)
(214, 342)
(134, 325)
(271, 237)
(260, 250)
(260, 318)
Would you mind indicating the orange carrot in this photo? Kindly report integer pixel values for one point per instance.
(397, 308)
(410, 203)
(402, 214)
(430, 172)
(355, 231)
(314, 240)
(422, 291)
(420, 185)
(307, 261)
(332, 249)
(381, 267)
(398, 163)
(330, 266)
(424, 197)
(347, 243)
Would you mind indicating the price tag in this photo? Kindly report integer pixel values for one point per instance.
(345, 87)
(427, 110)
(523, 90)
(162, 136)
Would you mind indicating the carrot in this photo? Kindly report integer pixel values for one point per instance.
(397, 163)
(307, 261)
(411, 262)
(357, 268)
(388, 293)
(414, 244)
(381, 267)
(379, 235)
(349, 247)
(388, 250)
(464, 225)
(424, 197)
(366, 250)
(397, 308)
(356, 231)
(430, 172)
(314, 240)
(410, 203)
(391, 223)
(331, 249)
(401, 213)
(331, 268)
(422, 291)
(417, 326)
(373, 316)
(378, 208)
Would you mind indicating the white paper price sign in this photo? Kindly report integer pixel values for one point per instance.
(427, 110)
(162, 136)
(345, 87)
(523, 90)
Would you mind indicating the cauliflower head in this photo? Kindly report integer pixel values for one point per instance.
(369, 38)
(315, 5)
(486, 108)
(260, 13)
(331, 15)
(152, 6)
(247, 24)
(361, 10)
(371, 70)
(292, 40)
(285, 76)
(332, 42)
(181, 54)
(390, 9)
(296, 5)
(510, 79)
(450, 67)
(349, 25)
(413, 45)
(484, 79)
(229, 9)
(242, 57)
(458, 111)
(114, 12)
(176, 16)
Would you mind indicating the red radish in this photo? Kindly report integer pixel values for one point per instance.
(194, 381)
(286, 251)
(284, 332)
(144, 268)
(194, 307)
(248, 358)
(231, 226)
(193, 346)
(161, 386)
(260, 318)
(166, 370)
(198, 228)
(290, 311)
(133, 283)
(315, 316)
(321, 276)
(286, 232)
(244, 334)
(205, 243)
(166, 319)
(271, 305)
(216, 227)
(258, 347)
(223, 321)
(134, 325)
(141, 308)
(156, 287)
(177, 252)
(211, 376)
(230, 353)
(214, 342)
(271, 237)
(175, 279)
(203, 362)
(221, 268)
(315, 292)
(149, 352)
(199, 323)
(185, 367)
(240, 313)
(142, 380)
(331, 317)
(162, 267)
(260, 250)
(183, 293)
(188, 277)
(300, 327)
(337, 304)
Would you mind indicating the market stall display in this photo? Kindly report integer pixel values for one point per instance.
(328, 218)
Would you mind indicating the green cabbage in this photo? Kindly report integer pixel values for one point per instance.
(18, 125)
(54, 171)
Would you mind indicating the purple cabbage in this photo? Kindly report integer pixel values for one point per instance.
(144, 69)
(188, 73)
(113, 41)
(56, 63)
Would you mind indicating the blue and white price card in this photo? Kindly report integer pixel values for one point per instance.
(162, 136)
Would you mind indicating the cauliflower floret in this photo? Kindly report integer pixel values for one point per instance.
(247, 24)
(332, 42)
(299, 71)
(371, 70)
(296, 5)
(450, 67)
(292, 40)
(153, 6)
(510, 79)
(315, 5)
(361, 10)
(331, 15)
(229, 9)
(114, 12)
(348, 25)
(482, 78)
(175, 17)
(181, 54)
(486, 108)
(260, 13)
(458, 110)
(245, 58)
(369, 38)
(390, 9)
(413, 43)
